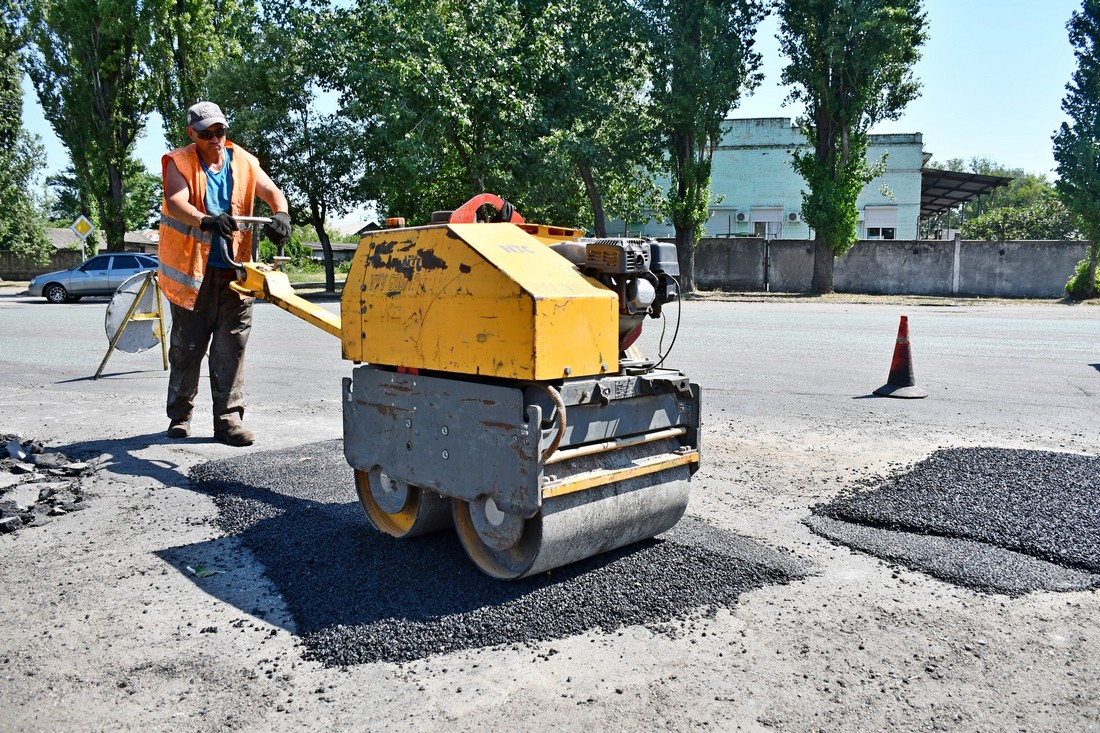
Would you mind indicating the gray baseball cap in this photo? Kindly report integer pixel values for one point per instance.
(205, 114)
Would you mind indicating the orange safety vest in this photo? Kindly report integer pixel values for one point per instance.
(184, 249)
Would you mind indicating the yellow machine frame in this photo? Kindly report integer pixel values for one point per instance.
(483, 299)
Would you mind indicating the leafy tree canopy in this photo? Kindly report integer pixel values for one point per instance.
(22, 228)
(1044, 220)
(1077, 142)
(141, 208)
(445, 85)
(90, 68)
(192, 38)
(850, 63)
(701, 61)
(270, 95)
(537, 100)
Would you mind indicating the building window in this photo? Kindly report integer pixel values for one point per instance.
(880, 222)
(767, 229)
(767, 221)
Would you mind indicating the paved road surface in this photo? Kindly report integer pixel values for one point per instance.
(103, 631)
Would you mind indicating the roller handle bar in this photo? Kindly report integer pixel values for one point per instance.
(256, 222)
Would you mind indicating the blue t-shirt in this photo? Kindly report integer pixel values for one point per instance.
(219, 195)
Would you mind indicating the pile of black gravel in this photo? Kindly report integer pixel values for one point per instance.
(359, 596)
(991, 518)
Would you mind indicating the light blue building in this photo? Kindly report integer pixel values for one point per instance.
(760, 194)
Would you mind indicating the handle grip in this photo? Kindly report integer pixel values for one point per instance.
(256, 222)
(467, 213)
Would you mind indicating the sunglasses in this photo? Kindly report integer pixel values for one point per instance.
(211, 134)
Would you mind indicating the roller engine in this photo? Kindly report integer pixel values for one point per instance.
(497, 389)
(641, 271)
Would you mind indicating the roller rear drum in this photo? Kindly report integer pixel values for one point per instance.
(400, 509)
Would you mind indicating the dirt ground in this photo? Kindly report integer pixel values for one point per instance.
(100, 632)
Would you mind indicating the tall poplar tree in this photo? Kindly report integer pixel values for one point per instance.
(21, 225)
(851, 64)
(1077, 143)
(271, 96)
(192, 37)
(701, 62)
(96, 88)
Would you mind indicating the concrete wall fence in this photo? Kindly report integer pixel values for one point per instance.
(1025, 269)
(1031, 269)
(14, 268)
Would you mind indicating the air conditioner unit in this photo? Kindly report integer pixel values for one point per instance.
(794, 217)
(741, 217)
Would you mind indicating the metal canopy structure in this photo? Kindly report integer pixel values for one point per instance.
(942, 190)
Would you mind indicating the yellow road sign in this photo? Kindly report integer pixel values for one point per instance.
(82, 226)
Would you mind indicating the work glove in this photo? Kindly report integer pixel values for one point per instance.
(505, 213)
(222, 224)
(278, 230)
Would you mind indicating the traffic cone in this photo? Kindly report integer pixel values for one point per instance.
(900, 383)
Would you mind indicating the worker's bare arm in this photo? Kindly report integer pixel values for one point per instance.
(177, 197)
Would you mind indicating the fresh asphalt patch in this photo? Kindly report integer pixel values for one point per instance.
(358, 596)
(994, 519)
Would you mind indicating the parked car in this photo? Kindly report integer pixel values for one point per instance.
(100, 275)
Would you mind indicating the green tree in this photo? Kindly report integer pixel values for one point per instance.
(1028, 193)
(441, 88)
(1077, 143)
(92, 77)
(850, 62)
(593, 131)
(69, 199)
(701, 60)
(141, 208)
(22, 228)
(143, 196)
(540, 101)
(270, 94)
(191, 38)
(1045, 220)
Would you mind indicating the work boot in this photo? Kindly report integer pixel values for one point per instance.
(179, 429)
(236, 435)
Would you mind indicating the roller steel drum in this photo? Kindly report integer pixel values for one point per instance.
(583, 524)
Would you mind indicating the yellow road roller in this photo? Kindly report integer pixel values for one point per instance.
(496, 388)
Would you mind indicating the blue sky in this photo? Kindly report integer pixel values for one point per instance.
(993, 74)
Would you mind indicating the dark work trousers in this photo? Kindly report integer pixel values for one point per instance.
(222, 320)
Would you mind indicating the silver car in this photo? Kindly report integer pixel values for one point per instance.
(100, 275)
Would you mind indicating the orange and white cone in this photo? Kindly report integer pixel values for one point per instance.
(901, 383)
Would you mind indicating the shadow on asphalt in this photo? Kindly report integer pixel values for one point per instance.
(105, 375)
(359, 596)
(123, 459)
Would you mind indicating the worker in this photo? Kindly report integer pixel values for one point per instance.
(206, 184)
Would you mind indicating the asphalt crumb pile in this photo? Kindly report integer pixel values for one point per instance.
(37, 484)
(358, 596)
(994, 519)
